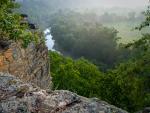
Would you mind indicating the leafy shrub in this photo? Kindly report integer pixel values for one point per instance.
(10, 27)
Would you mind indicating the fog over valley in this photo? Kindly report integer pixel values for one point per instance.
(123, 15)
(98, 49)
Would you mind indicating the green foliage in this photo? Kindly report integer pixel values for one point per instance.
(147, 19)
(79, 76)
(127, 86)
(10, 27)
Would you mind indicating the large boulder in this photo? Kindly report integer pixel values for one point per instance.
(30, 64)
(19, 97)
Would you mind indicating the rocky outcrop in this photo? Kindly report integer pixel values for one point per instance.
(30, 64)
(19, 97)
(26, 89)
(145, 110)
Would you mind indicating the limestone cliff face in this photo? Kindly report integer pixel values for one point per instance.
(30, 64)
(19, 97)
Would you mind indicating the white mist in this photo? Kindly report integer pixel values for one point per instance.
(49, 39)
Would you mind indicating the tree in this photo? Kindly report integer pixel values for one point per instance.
(77, 36)
(79, 76)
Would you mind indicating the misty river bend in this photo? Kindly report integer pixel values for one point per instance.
(49, 39)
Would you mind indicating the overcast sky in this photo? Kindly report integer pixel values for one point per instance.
(121, 3)
(98, 3)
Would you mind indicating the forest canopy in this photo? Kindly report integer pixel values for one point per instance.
(126, 84)
(90, 59)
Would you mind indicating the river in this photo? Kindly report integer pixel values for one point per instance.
(49, 39)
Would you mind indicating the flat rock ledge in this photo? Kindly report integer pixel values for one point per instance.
(19, 97)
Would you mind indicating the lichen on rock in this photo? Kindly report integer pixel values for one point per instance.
(19, 97)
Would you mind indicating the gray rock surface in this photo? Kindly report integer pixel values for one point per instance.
(145, 110)
(19, 97)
